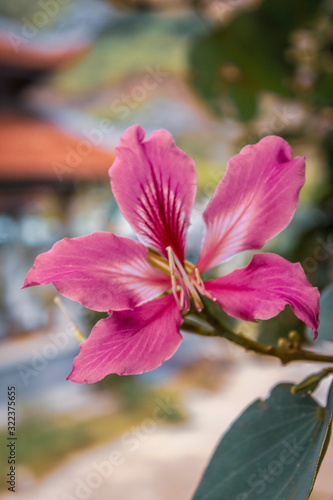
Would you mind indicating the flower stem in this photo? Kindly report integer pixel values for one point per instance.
(216, 328)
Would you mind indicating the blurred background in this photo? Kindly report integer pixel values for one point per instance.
(218, 74)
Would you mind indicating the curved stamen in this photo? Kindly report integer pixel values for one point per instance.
(183, 287)
(200, 286)
(189, 267)
(182, 299)
(191, 289)
(182, 279)
(173, 275)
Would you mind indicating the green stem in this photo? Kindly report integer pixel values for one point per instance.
(218, 329)
(311, 383)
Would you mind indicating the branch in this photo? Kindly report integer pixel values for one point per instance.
(218, 329)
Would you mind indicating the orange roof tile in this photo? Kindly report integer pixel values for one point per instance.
(31, 149)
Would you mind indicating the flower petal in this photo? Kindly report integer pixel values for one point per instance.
(263, 288)
(154, 184)
(130, 342)
(101, 271)
(255, 200)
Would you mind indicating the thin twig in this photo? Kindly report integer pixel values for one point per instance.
(218, 329)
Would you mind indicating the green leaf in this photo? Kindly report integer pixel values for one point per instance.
(325, 330)
(291, 13)
(272, 452)
(237, 62)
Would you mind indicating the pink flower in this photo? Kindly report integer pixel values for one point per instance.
(154, 184)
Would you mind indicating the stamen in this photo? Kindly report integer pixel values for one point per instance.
(182, 286)
(198, 277)
(189, 267)
(173, 275)
(174, 290)
(176, 273)
(196, 298)
(200, 286)
(202, 289)
(180, 278)
(182, 298)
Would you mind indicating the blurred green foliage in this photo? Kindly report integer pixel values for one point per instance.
(138, 41)
(251, 54)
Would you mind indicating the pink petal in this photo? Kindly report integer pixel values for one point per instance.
(263, 288)
(255, 200)
(154, 183)
(130, 342)
(101, 271)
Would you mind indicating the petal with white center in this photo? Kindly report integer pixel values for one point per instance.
(154, 184)
(255, 200)
(102, 271)
(262, 289)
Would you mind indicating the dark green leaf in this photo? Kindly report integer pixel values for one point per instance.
(290, 14)
(237, 62)
(272, 452)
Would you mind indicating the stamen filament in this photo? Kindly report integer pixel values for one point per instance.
(182, 298)
(174, 290)
(180, 278)
(182, 286)
(197, 300)
(189, 267)
(173, 275)
(198, 277)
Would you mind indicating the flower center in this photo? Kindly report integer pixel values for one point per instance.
(186, 281)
